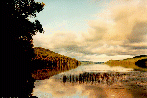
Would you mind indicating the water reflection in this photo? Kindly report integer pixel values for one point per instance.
(94, 81)
(89, 77)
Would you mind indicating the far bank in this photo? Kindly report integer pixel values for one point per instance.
(48, 63)
(137, 63)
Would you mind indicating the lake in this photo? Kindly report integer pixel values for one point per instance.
(94, 81)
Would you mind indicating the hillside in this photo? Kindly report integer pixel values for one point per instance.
(137, 63)
(49, 63)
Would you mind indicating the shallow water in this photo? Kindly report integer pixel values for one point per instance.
(94, 81)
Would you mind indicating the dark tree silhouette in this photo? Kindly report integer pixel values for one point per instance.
(16, 49)
(141, 63)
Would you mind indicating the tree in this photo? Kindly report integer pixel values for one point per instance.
(16, 41)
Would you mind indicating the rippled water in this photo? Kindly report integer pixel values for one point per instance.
(94, 81)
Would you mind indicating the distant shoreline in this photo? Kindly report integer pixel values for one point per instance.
(138, 63)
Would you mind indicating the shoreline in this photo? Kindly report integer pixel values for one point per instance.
(136, 63)
(42, 74)
(133, 66)
(132, 84)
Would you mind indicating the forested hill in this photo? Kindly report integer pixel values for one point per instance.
(137, 62)
(51, 60)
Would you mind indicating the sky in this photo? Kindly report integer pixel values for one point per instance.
(93, 30)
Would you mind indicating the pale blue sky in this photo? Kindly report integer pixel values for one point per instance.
(95, 30)
(73, 14)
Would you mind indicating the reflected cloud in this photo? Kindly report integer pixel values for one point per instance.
(83, 84)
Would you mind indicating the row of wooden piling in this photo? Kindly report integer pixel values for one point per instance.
(94, 77)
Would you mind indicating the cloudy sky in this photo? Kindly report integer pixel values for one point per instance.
(94, 30)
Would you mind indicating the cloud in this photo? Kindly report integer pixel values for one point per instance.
(121, 25)
(138, 33)
(120, 30)
(57, 89)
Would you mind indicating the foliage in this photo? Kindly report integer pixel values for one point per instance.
(51, 60)
(17, 51)
(142, 63)
(130, 63)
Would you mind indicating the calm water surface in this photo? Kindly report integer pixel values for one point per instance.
(94, 81)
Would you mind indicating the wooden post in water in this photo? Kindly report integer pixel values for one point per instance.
(92, 79)
(87, 77)
(73, 78)
(64, 78)
(83, 78)
(98, 77)
(76, 78)
(70, 78)
(80, 78)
